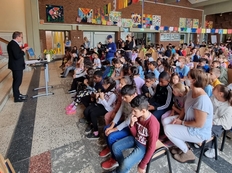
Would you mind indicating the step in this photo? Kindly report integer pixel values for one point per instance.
(5, 91)
(3, 65)
(3, 75)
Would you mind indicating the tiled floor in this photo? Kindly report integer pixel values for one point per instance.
(38, 137)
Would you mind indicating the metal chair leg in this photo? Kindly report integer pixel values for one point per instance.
(200, 157)
(223, 140)
(169, 161)
(215, 147)
(148, 167)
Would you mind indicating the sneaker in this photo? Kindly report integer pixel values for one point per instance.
(71, 112)
(188, 157)
(88, 129)
(83, 120)
(105, 152)
(196, 146)
(62, 76)
(109, 164)
(175, 150)
(210, 153)
(68, 107)
(91, 136)
(71, 91)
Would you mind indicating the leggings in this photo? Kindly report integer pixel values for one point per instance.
(92, 112)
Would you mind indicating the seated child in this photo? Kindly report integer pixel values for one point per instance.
(202, 64)
(118, 70)
(175, 78)
(152, 68)
(144, 128)
(150, 84)
(222, 108)
(104, 103)
(162, 100)
(179, 92)
(209, 88)
(126, 80)
(223, 78)
(96, 61)
(118, 129)
(214, 74)
(139, 82)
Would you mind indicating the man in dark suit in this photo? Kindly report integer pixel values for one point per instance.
(16, 64)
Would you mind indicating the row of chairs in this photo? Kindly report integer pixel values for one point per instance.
(162, 150)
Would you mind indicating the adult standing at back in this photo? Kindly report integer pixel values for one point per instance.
(129, 46)
(16, 64)
(111, 49)
(86, 43)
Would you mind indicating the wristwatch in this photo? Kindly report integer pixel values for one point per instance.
(183, 123)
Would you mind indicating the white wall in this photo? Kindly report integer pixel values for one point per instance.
(12, 17)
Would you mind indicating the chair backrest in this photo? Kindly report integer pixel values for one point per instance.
(5, 165)
(229, 76)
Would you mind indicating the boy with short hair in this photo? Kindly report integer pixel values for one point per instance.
(145, 131)
(161, 102)
(150, 85)
(214, 74)
(118, 129)
(223, 78)
(203, 64)
(152, 65)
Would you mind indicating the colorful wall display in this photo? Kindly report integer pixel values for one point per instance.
(147, 20)
(115, 16)
(209, 24)
(55, 13)
(85, 14)
(182, 22)
(195, 23)
(127, 23)
(156, 20)
(136, 19)
(189, 23)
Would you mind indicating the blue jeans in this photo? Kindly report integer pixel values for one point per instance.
(158, 114)
(115, 136)
(66, 71)
(110, 59)
(125, 164)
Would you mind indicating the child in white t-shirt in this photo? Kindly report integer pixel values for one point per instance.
(96, 61)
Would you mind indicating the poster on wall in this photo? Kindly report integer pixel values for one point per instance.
(85, 14)
(115, 16)
(195, 23)
(156, 20)
(127, 23)
(136, 19)
(182, 22)
(189, 23)
(147, 20)
(209, 24)
(169, 37)
(54, 13)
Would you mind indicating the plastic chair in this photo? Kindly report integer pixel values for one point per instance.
(161, 150)
(213, 139)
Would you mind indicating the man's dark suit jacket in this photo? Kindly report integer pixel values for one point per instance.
(16, 56)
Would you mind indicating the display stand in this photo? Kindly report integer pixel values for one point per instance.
(46, 77)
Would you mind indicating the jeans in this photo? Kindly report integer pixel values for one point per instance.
(125, 164)
(178, 134)
(158, 114)
(66, 71)
(115, 136)
(110, 59)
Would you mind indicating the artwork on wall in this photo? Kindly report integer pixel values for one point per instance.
(209, 24)
(195, 23)
(136, 19)
(147, 20)
(54, 13)
(189, 23)
(156, 20)
(85, 14)
(182, 22)
(169, 37)
(115, 16)
(127, 23)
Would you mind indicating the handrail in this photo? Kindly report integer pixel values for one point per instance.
(3, 40)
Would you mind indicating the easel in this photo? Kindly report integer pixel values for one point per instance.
(6, 166)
